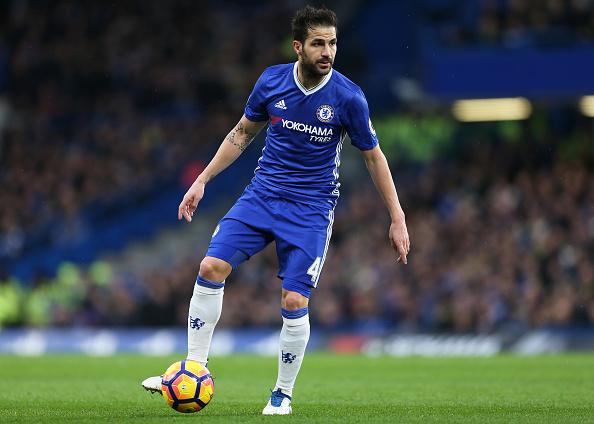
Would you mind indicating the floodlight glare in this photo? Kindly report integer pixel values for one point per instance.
(587, 106)
(481, 110)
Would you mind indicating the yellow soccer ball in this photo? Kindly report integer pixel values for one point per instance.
(187, 386)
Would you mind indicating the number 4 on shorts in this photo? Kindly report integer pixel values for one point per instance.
(314, 269)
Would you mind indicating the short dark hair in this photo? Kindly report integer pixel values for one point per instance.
(310, 17)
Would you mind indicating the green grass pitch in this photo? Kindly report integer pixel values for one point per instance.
(330, 389)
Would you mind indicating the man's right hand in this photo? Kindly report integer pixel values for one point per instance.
(190, 201)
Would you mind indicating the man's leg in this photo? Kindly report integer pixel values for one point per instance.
(293, 339)
(292, 343)
(232, 242)
(205, 310)
(241, 233)
(205, 306)
(302, 235)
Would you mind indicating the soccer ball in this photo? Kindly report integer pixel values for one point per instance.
(187, 386)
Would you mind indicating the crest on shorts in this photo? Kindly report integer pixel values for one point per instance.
(325, 113)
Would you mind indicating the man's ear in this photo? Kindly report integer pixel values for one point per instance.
(297, 46)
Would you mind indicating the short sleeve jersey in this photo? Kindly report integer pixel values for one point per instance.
(301, 157)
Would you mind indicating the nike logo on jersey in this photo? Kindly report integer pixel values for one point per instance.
(281, 105)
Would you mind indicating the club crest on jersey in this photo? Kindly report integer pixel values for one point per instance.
(325, 113)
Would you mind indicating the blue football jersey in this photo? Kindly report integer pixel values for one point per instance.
(301, 157)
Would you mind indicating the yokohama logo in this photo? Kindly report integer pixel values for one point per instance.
(310, 129)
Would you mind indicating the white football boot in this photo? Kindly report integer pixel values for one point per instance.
(278, 404)
(152, 384)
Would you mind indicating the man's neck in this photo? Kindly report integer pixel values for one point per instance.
(308, 80)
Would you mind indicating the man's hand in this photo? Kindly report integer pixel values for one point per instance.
(190, 201)
(382, 178)
(399, 239)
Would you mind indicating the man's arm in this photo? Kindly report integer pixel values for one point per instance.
(378, 168)
(238, 139)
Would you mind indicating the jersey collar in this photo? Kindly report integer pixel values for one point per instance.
(314, 89)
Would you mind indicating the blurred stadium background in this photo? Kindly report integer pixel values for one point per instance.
(108, 111)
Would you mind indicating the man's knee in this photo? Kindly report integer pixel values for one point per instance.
(214, 269)
(291, 301)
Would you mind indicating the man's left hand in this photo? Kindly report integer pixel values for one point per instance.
(399, 239)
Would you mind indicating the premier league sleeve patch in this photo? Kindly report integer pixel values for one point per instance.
(325, 113)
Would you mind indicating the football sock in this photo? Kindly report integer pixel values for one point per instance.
(205, 310)
(293, 340)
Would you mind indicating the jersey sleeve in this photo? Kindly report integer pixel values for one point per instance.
(358, 123)
(255, 108)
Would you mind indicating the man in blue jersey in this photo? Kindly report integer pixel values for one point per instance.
(309, 108)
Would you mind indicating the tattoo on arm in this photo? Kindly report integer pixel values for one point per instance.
(240, 137)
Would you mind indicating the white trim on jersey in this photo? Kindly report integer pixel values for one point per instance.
(337, 163)
(259, 159)
(328, 236)
(313, 89)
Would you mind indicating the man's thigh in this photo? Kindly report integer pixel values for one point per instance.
(244, 231)
(302, 239)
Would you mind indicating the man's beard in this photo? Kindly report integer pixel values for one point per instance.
(311, 70)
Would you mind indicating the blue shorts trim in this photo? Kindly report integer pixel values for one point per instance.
(294, 314)
(297, 286)
(210, 284)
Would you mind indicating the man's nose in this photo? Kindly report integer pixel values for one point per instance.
(326, 52)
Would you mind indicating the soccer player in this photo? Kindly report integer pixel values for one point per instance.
(309, 108)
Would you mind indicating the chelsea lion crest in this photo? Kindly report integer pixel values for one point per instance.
(325, 113)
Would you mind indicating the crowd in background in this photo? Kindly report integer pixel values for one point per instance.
(99, 101)
(499, 241)
(493, 247)
(108, 101)
(104, 100)
(514, 23)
